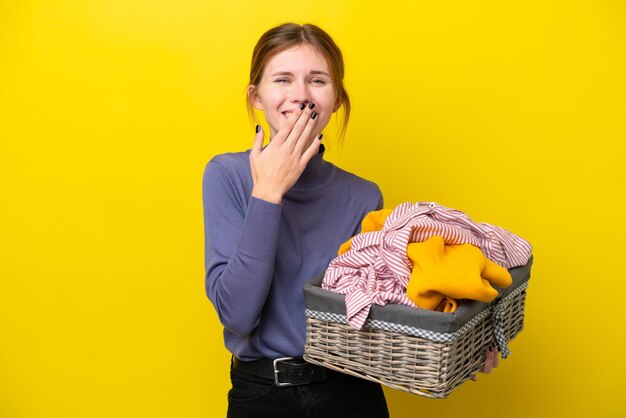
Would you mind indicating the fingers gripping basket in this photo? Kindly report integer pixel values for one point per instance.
(416, 350)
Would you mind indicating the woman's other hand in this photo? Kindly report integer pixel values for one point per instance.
(491, 361)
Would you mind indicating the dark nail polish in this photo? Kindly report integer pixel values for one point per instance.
(490, 349)
(314, 115)
(311, 105)
(302, 106)
(320, 137)
(258, 129)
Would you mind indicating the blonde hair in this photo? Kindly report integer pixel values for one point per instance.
(289, 35)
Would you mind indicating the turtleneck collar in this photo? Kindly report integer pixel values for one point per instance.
(317, 174)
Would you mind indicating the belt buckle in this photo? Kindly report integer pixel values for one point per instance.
(276, 373)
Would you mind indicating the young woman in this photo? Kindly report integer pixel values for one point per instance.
(274, 218)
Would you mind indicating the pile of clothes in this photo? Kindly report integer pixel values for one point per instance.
(425, 255)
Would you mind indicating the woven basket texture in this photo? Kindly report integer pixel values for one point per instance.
(405, 362)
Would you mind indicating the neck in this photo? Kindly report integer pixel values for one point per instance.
(316, 172)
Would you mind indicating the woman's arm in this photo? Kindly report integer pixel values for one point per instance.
(240, 241)
(240, 248)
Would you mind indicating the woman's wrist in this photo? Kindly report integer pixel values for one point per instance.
(267, 194)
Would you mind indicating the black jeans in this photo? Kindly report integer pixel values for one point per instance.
(339, 395)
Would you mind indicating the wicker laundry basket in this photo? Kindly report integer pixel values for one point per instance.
(416, 350)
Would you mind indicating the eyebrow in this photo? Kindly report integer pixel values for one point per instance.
(314, 72)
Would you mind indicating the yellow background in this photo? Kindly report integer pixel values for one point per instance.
(513, 112)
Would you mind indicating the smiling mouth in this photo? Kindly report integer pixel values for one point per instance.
(288, 113)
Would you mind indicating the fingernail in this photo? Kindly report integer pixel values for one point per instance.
(490, 349)
(258, 129)
(314, 115)
(311, 105)
(302, 106)
(320, 136)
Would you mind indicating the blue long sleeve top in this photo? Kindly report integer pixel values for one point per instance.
(258, 254)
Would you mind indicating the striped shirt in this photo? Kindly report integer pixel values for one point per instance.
(377, 269)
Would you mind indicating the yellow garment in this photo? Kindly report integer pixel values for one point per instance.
(442, 273)
(447, 304)
(373, 221)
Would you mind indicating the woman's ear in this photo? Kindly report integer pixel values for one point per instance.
(338, 104)
(253, 97)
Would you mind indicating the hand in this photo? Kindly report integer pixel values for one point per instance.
(277, 167)
(491, 361)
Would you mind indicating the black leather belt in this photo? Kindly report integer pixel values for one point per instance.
(286, 371)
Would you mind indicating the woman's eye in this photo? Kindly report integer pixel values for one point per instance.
(318, 81)
(281, 80)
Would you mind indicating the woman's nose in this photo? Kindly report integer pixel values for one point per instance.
(301, 93)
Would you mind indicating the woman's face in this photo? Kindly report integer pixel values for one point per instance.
(294, 76)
